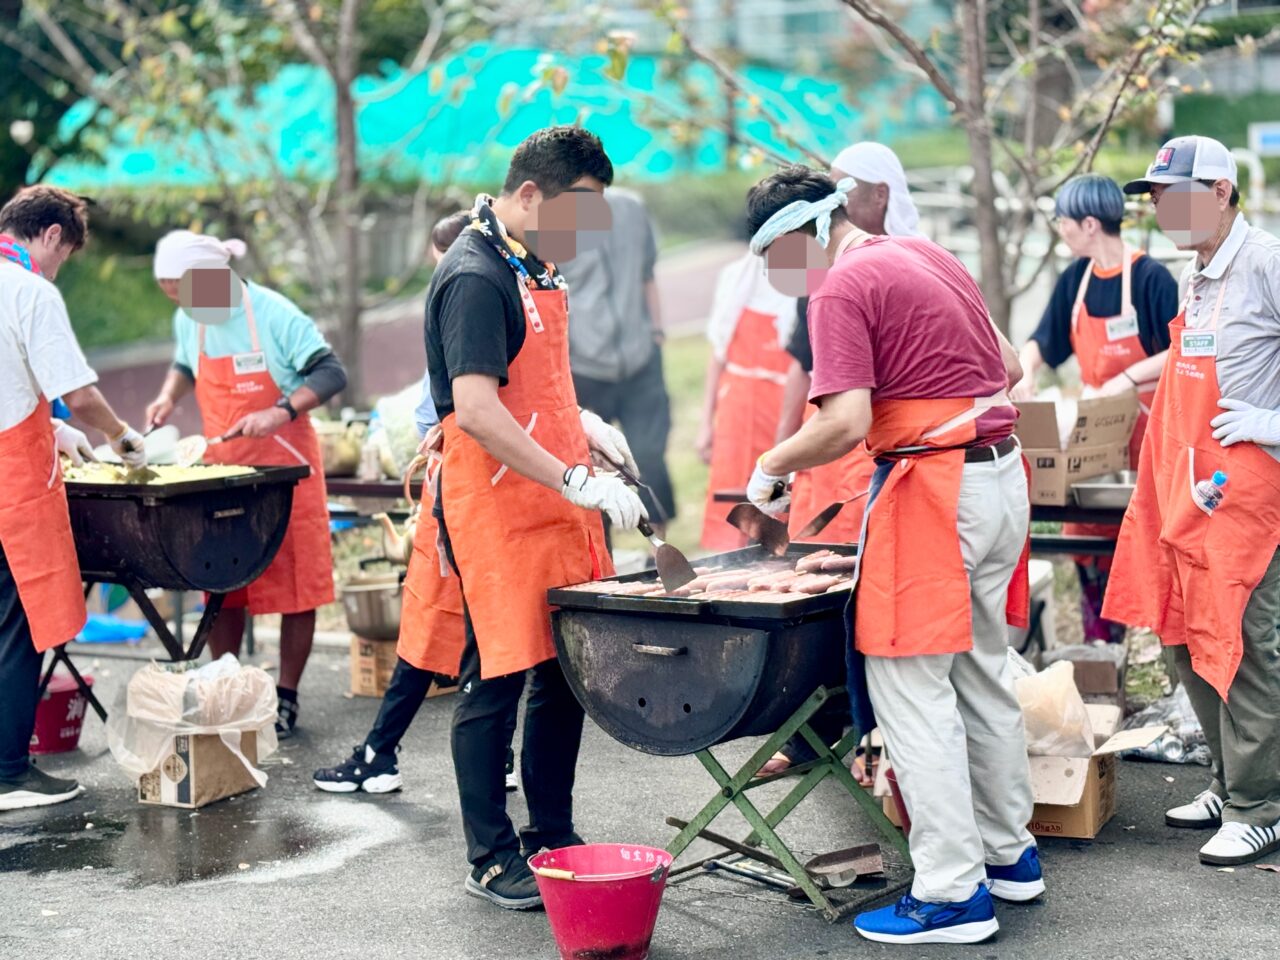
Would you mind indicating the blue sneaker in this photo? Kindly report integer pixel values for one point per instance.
(914, 921)
(1018, 882)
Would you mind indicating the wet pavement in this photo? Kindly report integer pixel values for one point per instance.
(289, 871)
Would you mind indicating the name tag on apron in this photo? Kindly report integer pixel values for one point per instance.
(1122, 327)
(247, 363)
(1199, 343)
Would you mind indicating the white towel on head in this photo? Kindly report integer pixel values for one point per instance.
(181, 250)
(875, 163)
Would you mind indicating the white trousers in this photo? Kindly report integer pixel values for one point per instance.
(951, 722)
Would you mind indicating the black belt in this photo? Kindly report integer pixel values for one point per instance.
(987, 454)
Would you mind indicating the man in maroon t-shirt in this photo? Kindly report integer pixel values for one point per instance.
(905, 357)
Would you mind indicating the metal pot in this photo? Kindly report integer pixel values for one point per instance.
(372, 602)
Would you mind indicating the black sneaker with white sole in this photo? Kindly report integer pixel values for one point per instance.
(286, 718)
(531, 844)
(35, 788)
(363, 770)
(512, 887)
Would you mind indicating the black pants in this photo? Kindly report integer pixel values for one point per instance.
(642, 410)
(19, 678)
(484, 716)
(405, 694)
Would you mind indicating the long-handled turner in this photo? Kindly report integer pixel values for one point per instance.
(191, 449)
(826, 515)
(765, 530)
(674, 568)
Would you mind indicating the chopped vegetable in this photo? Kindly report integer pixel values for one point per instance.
(118, 473)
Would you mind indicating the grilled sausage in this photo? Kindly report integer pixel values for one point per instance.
(813, 583)
(812, 562)
(772, 581)
(839, 564)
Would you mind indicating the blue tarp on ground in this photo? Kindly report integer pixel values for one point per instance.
(461, 119)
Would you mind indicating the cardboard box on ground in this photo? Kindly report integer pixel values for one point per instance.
(198, 771)
(1100, 670)
(1066, 441)
(373, 662)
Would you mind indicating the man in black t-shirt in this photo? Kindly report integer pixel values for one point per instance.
(518, 504)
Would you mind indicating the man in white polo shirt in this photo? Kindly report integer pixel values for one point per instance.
(41, 603)
(1197, 558)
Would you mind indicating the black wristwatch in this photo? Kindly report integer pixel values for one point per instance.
(284, 404)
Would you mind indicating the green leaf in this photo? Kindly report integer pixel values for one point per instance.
(617, 66)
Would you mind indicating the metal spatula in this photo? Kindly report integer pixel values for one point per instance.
(825, 516)
(191, 449)
(674, 568)
(765, 530)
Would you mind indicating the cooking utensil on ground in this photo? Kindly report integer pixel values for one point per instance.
(674, 568)
(765, 530)
(826, 515)
(841, 868)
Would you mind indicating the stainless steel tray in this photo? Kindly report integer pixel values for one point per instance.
(1111, 491)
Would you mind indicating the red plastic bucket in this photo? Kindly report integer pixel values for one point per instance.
(898, 801)
(602, 898)
(59, 715)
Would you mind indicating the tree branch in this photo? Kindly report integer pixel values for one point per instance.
(875, 15)
(306, 37)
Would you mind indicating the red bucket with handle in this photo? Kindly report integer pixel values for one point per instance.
(602, 899)
(59, 715)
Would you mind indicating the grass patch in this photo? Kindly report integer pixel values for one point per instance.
(113, 299)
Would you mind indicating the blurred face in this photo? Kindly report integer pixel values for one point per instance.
(796, 264)
(1191, 213)
(1078, 235)
(206, 294)
(867, 203)
(570, 223)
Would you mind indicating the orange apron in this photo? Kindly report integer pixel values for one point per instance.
(300, 577)
(1182, 571)
(815, 489)
(1105, 347)
(748, 404)
(432, 601)
(35, 530)
(512, 538)
(912, 588)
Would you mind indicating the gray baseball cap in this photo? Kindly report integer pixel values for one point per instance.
(1184, 159)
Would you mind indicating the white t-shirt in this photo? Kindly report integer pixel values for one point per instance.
(39, 353)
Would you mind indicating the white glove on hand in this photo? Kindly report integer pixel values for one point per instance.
(72, 444)
(130, 448)
(768, 492)
(609, 495)
(606, 439)
(1245, 423)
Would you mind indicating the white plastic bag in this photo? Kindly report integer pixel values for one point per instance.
(1056, 721)
(221, 698)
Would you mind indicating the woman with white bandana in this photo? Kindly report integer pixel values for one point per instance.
(257, 364)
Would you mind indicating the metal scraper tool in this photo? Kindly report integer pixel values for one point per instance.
(825, 516)
(674, 568)
(765, 530)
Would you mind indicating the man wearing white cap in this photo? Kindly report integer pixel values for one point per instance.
(257, 364)
(1197, 558)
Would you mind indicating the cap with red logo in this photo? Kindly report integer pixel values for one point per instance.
(1184, 159)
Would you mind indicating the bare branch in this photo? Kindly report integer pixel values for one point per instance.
(877, 16)
(304, 34)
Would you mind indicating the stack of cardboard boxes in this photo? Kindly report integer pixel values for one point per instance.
(1067, 441)
(373, 662)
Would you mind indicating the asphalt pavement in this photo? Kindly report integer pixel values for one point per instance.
(289, 871)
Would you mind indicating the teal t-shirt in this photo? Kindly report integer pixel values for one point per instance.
(287, 336)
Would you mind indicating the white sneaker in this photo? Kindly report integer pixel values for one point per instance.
(1201, 813)
(1238, 843)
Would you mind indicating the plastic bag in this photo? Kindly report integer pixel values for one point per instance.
(1184, 743)
(221, 698)
(1056, 721)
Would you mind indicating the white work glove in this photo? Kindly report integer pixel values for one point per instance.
(607, 440)
(609, 495)
(768, 492)
(72, 444)
(130, 448)
(1245, 423)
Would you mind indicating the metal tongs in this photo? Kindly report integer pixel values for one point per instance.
(674, 568)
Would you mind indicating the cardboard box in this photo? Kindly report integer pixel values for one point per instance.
(198, 771)
(373, 662)
(1075, 797)
(1100, 670)
(1095, 441)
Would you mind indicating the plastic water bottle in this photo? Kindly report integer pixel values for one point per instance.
(1209, 492)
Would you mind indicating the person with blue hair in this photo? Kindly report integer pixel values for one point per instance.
(1111, 308)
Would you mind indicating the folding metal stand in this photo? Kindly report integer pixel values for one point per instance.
(733, 790)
